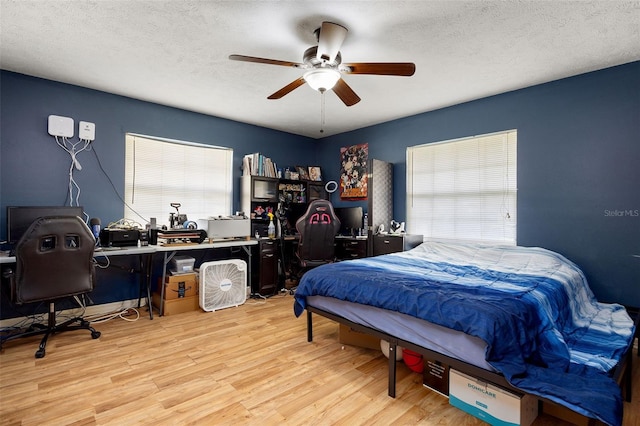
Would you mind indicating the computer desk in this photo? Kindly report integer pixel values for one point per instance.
(145, 256)
(145, 260)
(170, 251)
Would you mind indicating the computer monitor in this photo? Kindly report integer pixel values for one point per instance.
(350, 220)
(19, 218)
(293, 213)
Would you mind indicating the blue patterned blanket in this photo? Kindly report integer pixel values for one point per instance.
(544, 328)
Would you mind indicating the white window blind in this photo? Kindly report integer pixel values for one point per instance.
(160, 172)
(464, 189)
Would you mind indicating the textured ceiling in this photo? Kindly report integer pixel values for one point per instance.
(176, 52)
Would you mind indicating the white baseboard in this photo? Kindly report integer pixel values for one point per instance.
(91, 311)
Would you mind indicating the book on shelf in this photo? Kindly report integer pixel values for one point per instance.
(257, 164)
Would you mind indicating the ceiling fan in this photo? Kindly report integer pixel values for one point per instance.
(325, 68)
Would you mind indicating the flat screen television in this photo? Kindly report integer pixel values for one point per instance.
(19, 218)
(350, 220)
(295, 211)
(264, 189)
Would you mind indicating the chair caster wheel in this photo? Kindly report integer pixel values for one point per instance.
(95, 334)
(40, 353)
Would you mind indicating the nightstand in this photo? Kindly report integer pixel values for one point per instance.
(391, 243)
(350, 248)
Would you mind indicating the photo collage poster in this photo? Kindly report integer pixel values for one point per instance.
(353, 172)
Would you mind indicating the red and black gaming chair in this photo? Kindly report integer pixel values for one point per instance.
(317, 228)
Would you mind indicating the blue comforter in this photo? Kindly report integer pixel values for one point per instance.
(543, 327)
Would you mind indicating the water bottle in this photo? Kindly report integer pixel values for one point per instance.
(365, 224)
(271, 230)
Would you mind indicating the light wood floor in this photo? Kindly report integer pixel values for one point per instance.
(246, 365)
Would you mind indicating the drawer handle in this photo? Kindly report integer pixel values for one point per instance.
(268, 255)
(387, 241)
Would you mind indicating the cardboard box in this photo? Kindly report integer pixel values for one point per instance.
(490, 403)
(177, 306)
(435, 376)
(180, 286)
(348, 336)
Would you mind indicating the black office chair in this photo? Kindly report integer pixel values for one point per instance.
(317, 228)
(54, 259)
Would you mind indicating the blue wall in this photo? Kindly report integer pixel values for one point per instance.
(578, 163)
(578, 158)
(34, 169)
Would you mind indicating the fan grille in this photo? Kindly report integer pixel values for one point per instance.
(223, 284)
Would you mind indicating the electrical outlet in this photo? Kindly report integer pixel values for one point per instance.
(87, 131)
(60, 126)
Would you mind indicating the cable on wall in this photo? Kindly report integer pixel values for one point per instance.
(62, 129)
(115, 190)
(73, 149)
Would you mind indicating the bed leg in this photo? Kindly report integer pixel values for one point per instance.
(392, 369)
(629, 375)
(309, 327)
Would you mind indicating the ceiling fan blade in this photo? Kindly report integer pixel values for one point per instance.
(404, 69)
(330, 40)
(288, 88)
(346, 93)
(264, 61)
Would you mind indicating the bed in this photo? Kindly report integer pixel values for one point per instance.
(521, 317)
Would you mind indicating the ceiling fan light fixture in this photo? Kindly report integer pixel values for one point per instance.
(322, 79)
(324, 66)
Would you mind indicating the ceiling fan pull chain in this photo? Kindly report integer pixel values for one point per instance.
(322, 111)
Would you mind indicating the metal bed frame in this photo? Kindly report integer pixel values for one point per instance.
(622, 374)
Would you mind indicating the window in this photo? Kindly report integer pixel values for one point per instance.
(159, 172)
(464, 189)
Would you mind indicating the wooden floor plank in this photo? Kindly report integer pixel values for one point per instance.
(245, 365)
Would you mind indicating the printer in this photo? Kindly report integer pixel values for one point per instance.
(110, 237)
(224, 227)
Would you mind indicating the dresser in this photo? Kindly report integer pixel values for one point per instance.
(385, 244)
(266, 278)
(350, 248)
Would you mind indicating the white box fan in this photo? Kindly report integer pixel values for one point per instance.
(223, 283)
